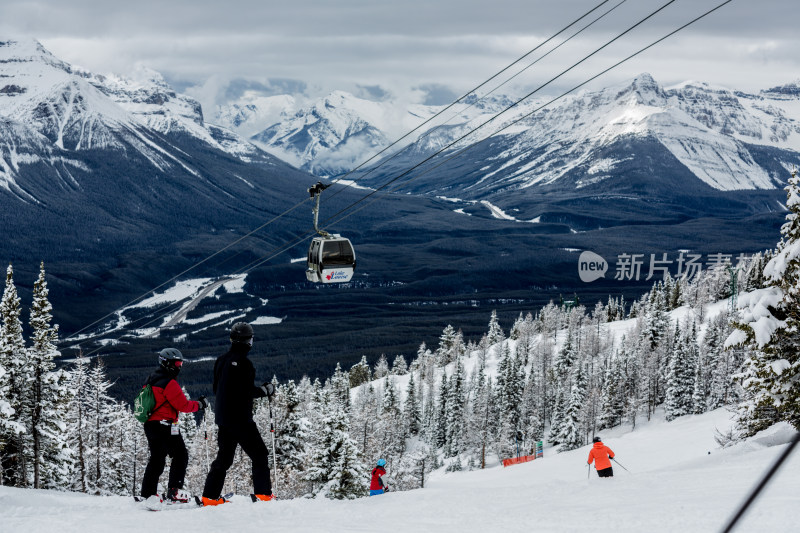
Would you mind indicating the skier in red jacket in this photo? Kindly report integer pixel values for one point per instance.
(376, 484)
(162, 430)
(601, 455)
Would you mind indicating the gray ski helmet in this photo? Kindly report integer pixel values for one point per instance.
(168, 355)
(597, 439)
(241, 332)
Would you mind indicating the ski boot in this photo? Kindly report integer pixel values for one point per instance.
(176, 495)
(208, 502)
(262, 497)
(153, 503)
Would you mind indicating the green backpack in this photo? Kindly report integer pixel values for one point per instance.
(144, 404)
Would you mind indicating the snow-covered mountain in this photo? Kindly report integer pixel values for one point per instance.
(329, 136)
(47, 102)
(111, 164)
(251, 113)
(726, 140)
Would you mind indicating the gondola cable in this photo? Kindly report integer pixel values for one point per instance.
(465, 95)
(250, 233)
(302, 237)
(472, 104)
(565, 93)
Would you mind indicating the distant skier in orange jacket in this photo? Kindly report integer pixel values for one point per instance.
(601, 455)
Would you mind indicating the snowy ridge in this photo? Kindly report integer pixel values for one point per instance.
(333, 134)
(706, 128)
(47, 107)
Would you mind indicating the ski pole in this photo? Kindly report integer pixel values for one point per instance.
(272, 431)
(588, 471)
(625, 469)
(205, 440)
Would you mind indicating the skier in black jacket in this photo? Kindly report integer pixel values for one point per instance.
(234, 377)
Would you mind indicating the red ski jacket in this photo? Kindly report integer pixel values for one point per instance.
(377, 483)
(169, 398)
(600, 454)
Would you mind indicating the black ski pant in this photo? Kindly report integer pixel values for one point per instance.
(606, 472)
(247, 436)
(162, 444)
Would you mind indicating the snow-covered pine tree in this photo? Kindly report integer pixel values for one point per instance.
(7, 423)
(103, 416)
(341, 386)
(399, 366)
(52, 458)
(447, 349)
(613, 406)
(78, 422)
(495, 333)
(293, 432)
(336, 470)
(360, 372)
(771, 373)
(571, 437)
(722, 363)
(16, 381)
(381, 368)
(440, 430)
(680, 380)
(391, 427)
(456, 406)
(558, 413)
(411, 408)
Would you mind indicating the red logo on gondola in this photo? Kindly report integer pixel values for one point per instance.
(329, 276)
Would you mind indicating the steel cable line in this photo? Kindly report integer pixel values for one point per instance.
(237, 241)
(459, 99)
(177, 305)
(565, 93)
(341, 177)
(300, 238)
(471, 104)
(462, 137)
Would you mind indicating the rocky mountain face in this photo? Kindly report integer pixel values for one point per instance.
(99, 173)
(119, 184)
(328, 137)
(726, 140)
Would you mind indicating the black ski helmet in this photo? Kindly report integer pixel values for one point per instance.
(597, 439)
(241, 332)
(168, 356)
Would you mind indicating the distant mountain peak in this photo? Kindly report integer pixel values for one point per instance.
(29, 51)
(790, 90)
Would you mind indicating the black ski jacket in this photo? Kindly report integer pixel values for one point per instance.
(234, 387)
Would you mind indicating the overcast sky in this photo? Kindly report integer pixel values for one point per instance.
(430, 50)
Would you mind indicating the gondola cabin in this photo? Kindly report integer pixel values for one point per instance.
(331, 259)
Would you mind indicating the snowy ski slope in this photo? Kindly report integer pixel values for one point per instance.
(675, 485)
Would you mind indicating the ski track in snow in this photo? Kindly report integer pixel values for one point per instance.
(674, 485)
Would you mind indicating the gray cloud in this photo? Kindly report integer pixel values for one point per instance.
(437, 94)
(376, 48)
(373, 92)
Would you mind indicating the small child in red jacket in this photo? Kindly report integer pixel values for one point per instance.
(376, 485)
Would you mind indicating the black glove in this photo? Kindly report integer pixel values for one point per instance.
(268, 388)
(203, 402)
